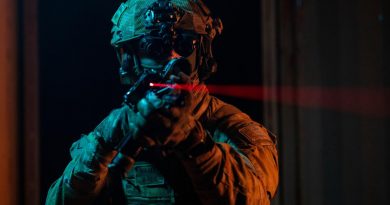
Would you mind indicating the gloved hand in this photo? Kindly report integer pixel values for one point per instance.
(116, 126)
(162, 122)
(93, 153)
(91, 159)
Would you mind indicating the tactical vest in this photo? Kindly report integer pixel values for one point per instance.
(155, 179)
(151, 179)
(145, 184)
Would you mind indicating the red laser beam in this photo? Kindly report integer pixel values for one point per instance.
(174, 86)
(358, 100)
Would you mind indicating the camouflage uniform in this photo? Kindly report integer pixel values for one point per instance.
(240, 168)
(235, 162)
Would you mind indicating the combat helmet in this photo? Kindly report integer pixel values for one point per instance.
(135, 18)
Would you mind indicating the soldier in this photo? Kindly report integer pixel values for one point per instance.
(171, 143)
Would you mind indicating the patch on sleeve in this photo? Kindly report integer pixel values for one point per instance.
(256, 135)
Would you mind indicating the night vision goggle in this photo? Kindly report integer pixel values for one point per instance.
(163, 37)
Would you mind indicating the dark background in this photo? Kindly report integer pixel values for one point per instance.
(79, 83)
(60, 73)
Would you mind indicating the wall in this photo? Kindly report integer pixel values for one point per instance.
(8, 104)
(332, 141)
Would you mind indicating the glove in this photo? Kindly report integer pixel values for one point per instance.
(115, 127)
(91, 166)
(96, 151)
(162, 121)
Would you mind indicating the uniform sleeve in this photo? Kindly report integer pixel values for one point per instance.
(86, 174)
(242, 168)
(83, 178)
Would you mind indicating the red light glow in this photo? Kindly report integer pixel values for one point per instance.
(358, 100)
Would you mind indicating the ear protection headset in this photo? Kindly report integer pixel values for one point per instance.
(214, 27)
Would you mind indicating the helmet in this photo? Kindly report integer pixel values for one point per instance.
(155, 23)
(132, 16)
